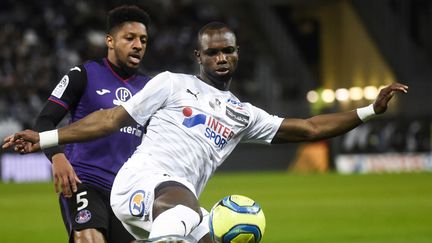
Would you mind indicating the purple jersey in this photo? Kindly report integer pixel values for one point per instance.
(97, 162)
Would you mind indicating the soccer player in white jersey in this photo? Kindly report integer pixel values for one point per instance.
(194, 123)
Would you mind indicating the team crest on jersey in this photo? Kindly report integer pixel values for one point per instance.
(136, 203)
(216, 104)
(83, 216)
(215, 130)
(122, 95)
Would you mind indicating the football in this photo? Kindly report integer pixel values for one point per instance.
(237, 219)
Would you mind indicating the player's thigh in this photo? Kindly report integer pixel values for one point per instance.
(132, 198)
(117, 232)
(88, 208)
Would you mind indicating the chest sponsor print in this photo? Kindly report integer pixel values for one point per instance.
(216, 131)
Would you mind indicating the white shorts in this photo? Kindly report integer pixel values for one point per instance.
(132, 198)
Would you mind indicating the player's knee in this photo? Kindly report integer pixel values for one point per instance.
(88, 236)
(170, 194)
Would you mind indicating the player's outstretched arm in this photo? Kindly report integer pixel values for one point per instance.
(95, 125)
(330, 125)
(19, 144)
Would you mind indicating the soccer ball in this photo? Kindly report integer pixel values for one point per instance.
(236, 219)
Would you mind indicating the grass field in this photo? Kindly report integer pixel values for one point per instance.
(298, 208)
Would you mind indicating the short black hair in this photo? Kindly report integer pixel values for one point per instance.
(215, 25)
(125, 13)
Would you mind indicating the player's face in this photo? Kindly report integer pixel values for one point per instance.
(127, 45)
(218, 55)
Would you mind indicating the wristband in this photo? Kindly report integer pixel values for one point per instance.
(366, 113)
(48, 139)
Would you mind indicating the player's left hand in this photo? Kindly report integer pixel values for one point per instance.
(65, 178)
(23, 142)
(385, 95)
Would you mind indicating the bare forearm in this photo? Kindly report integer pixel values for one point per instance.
(95, 125)
(331, 125)
(317, 127)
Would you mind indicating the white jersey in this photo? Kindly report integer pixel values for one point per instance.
(192, 127)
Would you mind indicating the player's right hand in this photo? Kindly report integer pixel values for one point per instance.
(65, 178)
(23, 142)
(386, 94)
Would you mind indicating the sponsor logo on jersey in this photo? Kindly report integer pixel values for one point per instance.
(83, 216)
(61, 87)
(215, 130)
(136, 203)
(76, 68)
(236, 104)
(102, 91)
(192, 93)
(122, 95)
(132, 130)
(236, 116)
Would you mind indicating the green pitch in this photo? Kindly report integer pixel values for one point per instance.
(299, 208)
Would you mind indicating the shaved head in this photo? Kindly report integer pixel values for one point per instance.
(213, 27)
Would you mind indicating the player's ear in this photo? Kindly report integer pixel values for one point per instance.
(109, 41)
(197, 56)
(238, 49)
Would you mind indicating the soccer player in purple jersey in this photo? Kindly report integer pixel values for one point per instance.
(157, 189)
(84, 172)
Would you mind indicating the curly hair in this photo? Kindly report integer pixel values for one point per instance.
(126, 13)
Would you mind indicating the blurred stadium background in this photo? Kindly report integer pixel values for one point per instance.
(298, 58)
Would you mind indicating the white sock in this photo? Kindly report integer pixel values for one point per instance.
(179, 220)
(203, 228)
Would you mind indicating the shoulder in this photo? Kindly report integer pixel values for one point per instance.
(140, 74)
(234, 102)
(175, 75)
(174, 78)
(94, 62)
(235, 106)
(78, 72)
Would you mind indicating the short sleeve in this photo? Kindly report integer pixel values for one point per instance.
(70, 88)
(151, 98)
(262, 127)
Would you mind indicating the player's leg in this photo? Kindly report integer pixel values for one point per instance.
(134, 202)
(117, 232)
(176, 210)
(201, 232)
(206, 239)
(88, 236)
(85, 215)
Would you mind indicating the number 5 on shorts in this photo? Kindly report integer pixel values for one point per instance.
(81, 199)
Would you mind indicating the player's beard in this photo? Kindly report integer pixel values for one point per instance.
(129, 70)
